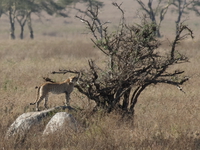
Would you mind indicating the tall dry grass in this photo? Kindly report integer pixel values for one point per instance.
(165, 118)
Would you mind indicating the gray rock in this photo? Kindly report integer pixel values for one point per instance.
(25, 121)
(60, 122)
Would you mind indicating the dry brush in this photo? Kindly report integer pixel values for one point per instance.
(134, 62)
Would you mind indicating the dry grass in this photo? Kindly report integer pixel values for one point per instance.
(165, 118)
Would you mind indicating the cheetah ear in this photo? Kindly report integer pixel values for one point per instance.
(74, 79)
(69, 80)
(79, 75)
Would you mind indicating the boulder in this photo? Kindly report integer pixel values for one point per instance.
(60, 122)
(25, 121)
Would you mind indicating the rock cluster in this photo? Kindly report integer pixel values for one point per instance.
(59, 122)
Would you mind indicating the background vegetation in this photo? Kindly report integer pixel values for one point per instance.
(165, 118)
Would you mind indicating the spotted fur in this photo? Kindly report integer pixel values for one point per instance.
(55, 88)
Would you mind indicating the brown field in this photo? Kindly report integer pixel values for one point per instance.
(165, 118)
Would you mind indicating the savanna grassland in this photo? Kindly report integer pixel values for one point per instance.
(165, 118)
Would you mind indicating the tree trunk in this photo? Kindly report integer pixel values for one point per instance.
(126, 100)
(12, 31)
(135, 96)
(158, 32)
(22, 21)
(111, 65)
(12, 24)
(22, 32)
(30, 26)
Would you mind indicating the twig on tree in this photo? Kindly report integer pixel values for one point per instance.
(65, 71)
(47, 79)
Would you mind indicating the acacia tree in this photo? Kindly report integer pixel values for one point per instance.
(136, 64)
(195, 7)
(9, 6)
(1, 8)
(160, 10)
(21, 11)
(37, 6)
(13, 8)
(23, 15)
(181, 7)
(92, 12)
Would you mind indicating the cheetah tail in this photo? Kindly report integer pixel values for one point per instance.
(37, 95)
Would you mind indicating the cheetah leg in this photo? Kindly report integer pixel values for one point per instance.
(67, 96)
(38, 102)
(45, 101)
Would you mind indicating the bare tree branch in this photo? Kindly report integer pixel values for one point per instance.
(65, 71)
